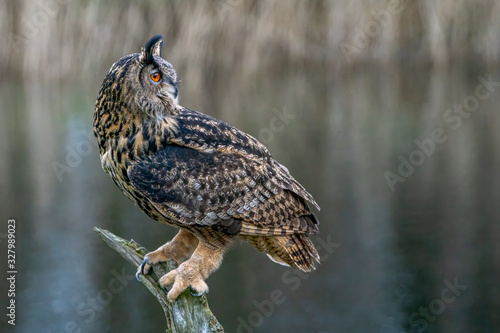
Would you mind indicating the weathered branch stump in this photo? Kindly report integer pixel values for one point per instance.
(189, 313)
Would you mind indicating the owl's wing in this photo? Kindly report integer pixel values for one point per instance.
(234, 187)
(219, 189)
(199, 131)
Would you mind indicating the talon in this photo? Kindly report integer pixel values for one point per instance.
(182, 278)
(142, 269)
(165, 289)
(196, 294)
(144, 263)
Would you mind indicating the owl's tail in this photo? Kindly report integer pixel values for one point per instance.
(295, 250)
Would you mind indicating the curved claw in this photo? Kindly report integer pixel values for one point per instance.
(144, 262)
(196, 294)
(141, 270)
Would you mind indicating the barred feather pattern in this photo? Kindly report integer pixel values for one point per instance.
(296, 250)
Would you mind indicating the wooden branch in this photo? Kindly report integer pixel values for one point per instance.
(189, 313)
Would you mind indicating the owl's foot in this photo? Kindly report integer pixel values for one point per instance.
(193, 272)
(178, 249)
(187, 275)
(150, 259)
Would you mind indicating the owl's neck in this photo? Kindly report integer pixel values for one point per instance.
(135, 136)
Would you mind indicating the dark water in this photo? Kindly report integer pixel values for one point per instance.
(418, 254)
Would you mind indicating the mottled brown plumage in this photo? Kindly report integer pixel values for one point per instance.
(189, 170)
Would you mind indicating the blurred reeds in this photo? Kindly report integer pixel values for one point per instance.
(70, 39)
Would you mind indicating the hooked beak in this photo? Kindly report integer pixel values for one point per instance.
(169, 94)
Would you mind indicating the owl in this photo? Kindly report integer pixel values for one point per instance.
(183, 168)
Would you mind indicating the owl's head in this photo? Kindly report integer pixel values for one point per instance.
(140, 89)
(144, 83)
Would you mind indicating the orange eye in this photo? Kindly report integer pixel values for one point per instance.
(155, 76)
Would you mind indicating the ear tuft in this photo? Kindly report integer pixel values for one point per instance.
(153, 47)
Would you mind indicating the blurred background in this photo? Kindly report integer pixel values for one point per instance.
(386, 111)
